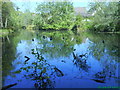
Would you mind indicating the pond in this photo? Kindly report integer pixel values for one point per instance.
(60, 59)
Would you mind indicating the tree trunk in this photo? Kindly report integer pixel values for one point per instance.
(8, 39)
(1, 25)
(6, 23)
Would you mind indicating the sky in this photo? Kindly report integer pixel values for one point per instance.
(26, 4)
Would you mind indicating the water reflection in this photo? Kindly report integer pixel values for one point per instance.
(56, 44)
(81, 61)
(60, 59)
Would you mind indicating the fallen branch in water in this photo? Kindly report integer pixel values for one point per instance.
(6, 87)
(100, 81)
(58, 71)
(27, 59)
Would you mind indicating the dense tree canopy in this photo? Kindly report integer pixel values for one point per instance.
(7, 11)
(106, 16)
(61, 16)
(12, 18)
(55, 15)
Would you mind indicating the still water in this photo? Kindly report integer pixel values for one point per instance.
(60, 59)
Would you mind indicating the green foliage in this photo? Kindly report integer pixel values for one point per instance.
(20, 19)
(12, 18)
(106, 16)
(78, 22)
(7, 10)
(79, 18)
(5, 32)
(55, 15)
(27, 18)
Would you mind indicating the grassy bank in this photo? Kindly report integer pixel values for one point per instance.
(4, 32)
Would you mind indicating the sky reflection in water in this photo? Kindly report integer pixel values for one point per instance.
(51, 62)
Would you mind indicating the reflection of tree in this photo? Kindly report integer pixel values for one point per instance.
(57, 44)
(8, 55)
(9, 48)
(41, 71)
(108, 72)
(105, 44)
(81, 62)
(105, 48)
(97, 50)
(9, 45)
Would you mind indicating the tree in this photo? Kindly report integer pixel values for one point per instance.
(10, 17)
(1, 25)
(7, 10)
(55, 15)
(106, 16)
(78, 23)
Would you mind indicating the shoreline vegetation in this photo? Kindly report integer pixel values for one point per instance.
(103, 17)
(5, 32)
(109, 32)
